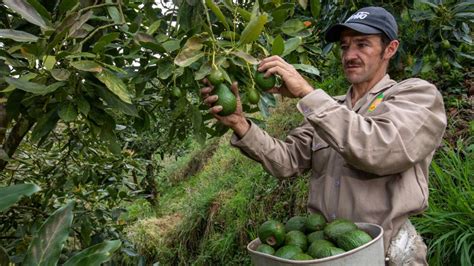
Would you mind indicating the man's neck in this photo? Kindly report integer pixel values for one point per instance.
(360, 89)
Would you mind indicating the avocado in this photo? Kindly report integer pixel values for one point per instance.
(288, 251)
(267, 249)
(316, 245)
(226, 99)
(315, 222)
(296, 223)
(315, 236)
(302, 256)
(216, 76)
(272, 233)
(338, 227)
(353, 239)
(263, 82)
(328, 252)
(296, 238)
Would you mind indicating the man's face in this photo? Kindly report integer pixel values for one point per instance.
(361, 56)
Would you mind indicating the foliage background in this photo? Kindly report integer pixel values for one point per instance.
(100, 106)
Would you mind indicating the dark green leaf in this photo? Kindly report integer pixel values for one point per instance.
(104, 41)
(171, 45)
(4, 258)
(16, 35)
(292, 26)
(315, 8)
(46, 245)
(115, 85)
(12, 194)
(67, 112)
(33, 87)
(40, 8)
(67, 5)
(87, 65)
(253, 29)
(45, 125)
(114, 12)
(95, 255)
(278, 46)
(83, 106)
(216, 10)
(114, 102)
(24, 9)
(165, 69)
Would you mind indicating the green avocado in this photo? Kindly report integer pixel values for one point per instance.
(226, 99)
(272, 233)
(263, 82)
(353, 239)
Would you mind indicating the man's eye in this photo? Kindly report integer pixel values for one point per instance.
(362, 45)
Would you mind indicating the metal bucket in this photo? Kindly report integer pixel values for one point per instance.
(370, 254)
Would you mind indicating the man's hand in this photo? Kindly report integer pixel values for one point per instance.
(294, 85)
(235, 121)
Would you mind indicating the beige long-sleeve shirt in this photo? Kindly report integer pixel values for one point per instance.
(370, 161)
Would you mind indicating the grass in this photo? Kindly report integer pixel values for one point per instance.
(447, 226)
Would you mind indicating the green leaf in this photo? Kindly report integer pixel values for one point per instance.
(248, 58)
(95, 255)
(17, 35)
(87, 65)
(164, 69)
(253, 29)
(292, 26)
(46, 245)
(24, 9)
(244, 14)
(114, 13)
(114, 102)
(115, 85)
(278, 46)
(315, 6)
(83, 106)
(67, 112)
(303, 3)
(153, 27)
(291, 45)
(171, 45)
(45, 125)
(33, 87)
(67, 5)
(40, 8)
(4, 258)
(12, 194)
(60, 74)
(216, 10)
(191, 51)
(49, 61)
(307, 68)
(104, 41)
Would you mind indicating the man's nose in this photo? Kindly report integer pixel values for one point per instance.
(349, 54)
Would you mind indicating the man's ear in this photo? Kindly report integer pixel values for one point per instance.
(391, 49)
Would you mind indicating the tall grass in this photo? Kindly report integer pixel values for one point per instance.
(448, 224)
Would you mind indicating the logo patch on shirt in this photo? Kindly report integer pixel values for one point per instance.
(376, 102)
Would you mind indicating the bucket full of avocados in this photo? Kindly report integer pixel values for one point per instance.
(311, 240)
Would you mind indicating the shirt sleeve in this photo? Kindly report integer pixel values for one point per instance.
(403, 130)
(280, 158)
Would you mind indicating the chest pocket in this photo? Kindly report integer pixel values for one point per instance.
(321, 153)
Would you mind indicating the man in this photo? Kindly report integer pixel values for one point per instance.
(369, 150)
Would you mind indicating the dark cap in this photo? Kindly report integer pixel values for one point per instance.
(367, 20)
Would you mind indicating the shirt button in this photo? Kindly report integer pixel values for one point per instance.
(338, 183)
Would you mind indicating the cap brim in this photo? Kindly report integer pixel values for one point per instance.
(334, 33)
